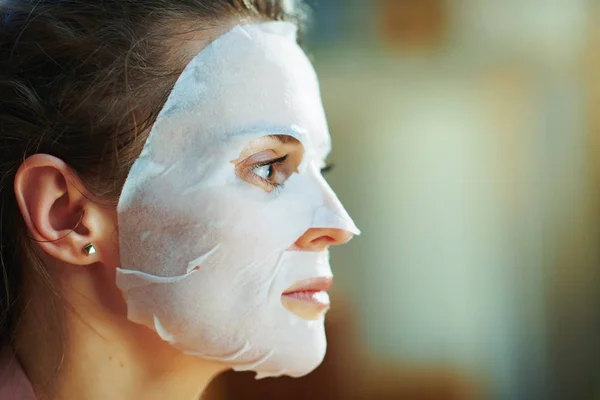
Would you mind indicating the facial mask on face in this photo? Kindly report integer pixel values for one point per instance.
(204, 254)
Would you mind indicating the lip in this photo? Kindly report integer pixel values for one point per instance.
(321, 284)
(308, 299)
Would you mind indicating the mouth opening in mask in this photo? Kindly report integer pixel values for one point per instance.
(308, 298)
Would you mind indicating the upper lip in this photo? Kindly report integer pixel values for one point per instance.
(321, 284)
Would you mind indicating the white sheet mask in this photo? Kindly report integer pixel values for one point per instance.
(204, 254)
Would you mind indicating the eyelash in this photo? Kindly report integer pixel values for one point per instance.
(281, 160)
(327, 168)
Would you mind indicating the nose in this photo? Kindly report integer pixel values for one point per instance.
(319, 239)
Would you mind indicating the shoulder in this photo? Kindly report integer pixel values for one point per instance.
(14, 385)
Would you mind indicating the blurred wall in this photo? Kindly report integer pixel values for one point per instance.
(468, 163)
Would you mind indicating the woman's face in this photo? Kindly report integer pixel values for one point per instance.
(225, 219)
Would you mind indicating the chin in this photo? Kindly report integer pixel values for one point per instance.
(297, 357)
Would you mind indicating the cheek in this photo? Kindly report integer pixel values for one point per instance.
(240, 211)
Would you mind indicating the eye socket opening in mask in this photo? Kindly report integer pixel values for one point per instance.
(268, 162)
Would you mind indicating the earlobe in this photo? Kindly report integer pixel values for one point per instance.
(59, 216)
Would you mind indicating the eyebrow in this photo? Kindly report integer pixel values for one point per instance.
(283, 138)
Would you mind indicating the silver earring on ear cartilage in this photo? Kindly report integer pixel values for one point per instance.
(89, 249)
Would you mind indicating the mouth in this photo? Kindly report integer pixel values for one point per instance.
(308, 299)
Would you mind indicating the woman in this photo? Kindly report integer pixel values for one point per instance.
(163, 215)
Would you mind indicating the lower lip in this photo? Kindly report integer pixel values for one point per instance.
(309, 305)
(312, 297)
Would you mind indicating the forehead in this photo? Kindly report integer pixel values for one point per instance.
(254, 78)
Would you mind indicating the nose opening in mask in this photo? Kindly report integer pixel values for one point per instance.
(319, 239)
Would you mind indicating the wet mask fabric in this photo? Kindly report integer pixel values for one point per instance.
(205, 256)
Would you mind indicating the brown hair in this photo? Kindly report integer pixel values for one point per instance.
(83, 80)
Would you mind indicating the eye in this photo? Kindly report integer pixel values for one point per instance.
(265, 172)
(268, 175)
(273, 172)
(327, 168)
(269, 161)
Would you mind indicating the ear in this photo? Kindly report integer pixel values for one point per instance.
(61, 215)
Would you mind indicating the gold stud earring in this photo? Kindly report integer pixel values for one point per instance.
(89, 249)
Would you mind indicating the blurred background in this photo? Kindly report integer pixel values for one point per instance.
(466, 143)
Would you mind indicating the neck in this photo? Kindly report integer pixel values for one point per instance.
(96, 354)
